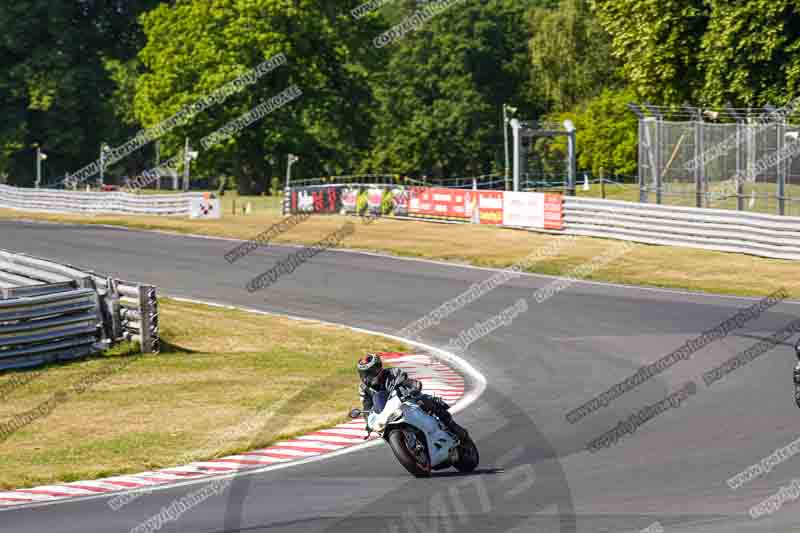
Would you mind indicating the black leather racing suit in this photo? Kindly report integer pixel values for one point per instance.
(407, 388)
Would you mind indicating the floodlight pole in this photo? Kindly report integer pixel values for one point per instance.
(515, 129)
(38, 166)
(186, 165)
(571, 156)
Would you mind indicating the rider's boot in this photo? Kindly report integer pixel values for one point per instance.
(451, 424)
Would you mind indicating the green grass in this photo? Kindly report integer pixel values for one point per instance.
(227, 381)
(683, 194)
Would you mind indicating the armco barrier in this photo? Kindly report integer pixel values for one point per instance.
(120, 203)
(709, 229)
(51, 312)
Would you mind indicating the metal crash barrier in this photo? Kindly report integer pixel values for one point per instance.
(52, 312)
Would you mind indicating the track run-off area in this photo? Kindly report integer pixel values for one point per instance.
(536, 473)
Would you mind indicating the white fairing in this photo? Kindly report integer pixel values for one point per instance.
(439, 441)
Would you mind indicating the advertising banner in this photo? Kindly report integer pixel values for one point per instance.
(553, 211)
(205, 207)
(315, 200)
(532, 210)
(349, 198)
(490, 204)
(374, 199)
(439, 202)
(400, 201)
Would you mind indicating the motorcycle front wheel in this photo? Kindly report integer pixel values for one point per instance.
(411, 452)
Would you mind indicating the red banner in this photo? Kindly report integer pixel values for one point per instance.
(490, 204)
(485, 207)
(553, 211)
(437, 202)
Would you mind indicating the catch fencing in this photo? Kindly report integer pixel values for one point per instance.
(689, 161)
(51, 312)
(709, 229)
(119, 203)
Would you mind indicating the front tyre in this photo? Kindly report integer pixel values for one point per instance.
(468, 457)
(411, 452)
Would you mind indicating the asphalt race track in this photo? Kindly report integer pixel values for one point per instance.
(536, 474)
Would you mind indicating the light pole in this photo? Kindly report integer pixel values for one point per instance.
(572, 151)
(104, 149)
(513, 110)
(40, 156)
(516, 126)
(292, 159)
(188, 156)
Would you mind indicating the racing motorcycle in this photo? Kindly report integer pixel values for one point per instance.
(797, 374)
(420, 441)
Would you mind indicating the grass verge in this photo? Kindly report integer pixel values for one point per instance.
(227, 381)
(661, 266)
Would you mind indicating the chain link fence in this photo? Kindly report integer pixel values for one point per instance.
(697, 163)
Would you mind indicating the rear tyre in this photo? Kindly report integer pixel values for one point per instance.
(468, 457)
(411, 452)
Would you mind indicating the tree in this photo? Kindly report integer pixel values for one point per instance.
(442, 92)
(571, 54)
(750, 52)
(658, 42)
(54, 88)
(196, 46)
(607, 134)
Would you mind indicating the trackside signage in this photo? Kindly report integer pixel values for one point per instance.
(533, 210)
(205, 207)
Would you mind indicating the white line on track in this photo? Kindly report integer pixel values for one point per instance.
(472, 375)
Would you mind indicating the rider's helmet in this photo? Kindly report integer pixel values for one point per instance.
(370, 367)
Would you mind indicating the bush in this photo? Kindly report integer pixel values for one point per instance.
(361, 203)
(387, 202)
(275, 185)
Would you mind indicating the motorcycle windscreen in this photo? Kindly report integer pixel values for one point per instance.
(379, 401)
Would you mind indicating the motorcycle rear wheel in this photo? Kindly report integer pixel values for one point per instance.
(415, 463)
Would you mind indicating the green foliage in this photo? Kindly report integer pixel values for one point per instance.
(707, 51)
(441, 94)
(54, 87)
(275, 185)
(196, 46)
(606, 134)
(750, 52)
(387, 202)
(570, 54)
(362, 204)
(658, 42)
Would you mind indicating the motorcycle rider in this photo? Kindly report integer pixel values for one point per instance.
(375, 378)
(797, 374)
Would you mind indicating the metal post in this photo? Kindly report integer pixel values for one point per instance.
(289, 161)
(782, 167)
(739, 187)
(659, 176)
(102, 163)
(640, 155)
(571, 166)
(158, 162)
(38, 166)
(186, 165)
(505, 142)
(698, 151)
(515, 129)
